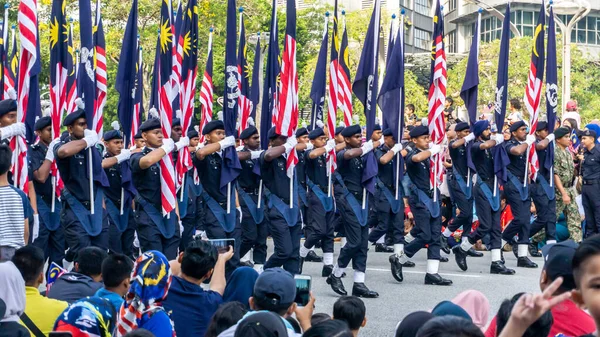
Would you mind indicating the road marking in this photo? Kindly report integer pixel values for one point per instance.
(422, 272)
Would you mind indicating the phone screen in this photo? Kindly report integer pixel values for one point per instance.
(302, 290)
(222, 244)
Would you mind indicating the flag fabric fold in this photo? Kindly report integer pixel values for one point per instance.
(243, 82)
(101, 75)
(72, 73)
(344, 99)
(207, 90)
(11, 65)
(270, 99)
(256, 76)
(317, 91)
(551, 89)
(501, 159)
(470, 88)
(86, 80)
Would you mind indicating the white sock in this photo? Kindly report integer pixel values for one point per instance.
(327, 259)
(359, 277)
(259, 268)
(446, 232)
(398, 249)
(337, 271)
(496, 255)
(433, 266)
(67, 265)
(403, 258)
(549, 242)
(246, 257)
(465, 244)
(343, 241)
(522, 250)
(312, 248)
(381, 240)
(303, 251)
(503, 243)
(409, 238)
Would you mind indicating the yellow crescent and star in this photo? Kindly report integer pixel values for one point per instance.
(538, 29)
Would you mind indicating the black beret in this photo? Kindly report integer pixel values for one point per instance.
(351, 130)
(316, 133)
(192, 134)
(150, 124)
(339, 130)
(377, 127)
(138, 135)
(42, 123)
(542, 126)
(419, 131)
(72, 117)
(176, 122)
(589, 133)
(7, 105)
(388, 132)
(272, 133)
(561, 132)
(212, 126)
(113, 134)
(461, 126)
(301, 132)
(248, 132)
(517, 125)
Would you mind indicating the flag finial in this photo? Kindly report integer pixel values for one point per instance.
(480, 10)
(211, 29)
(403, 11)
(393, 16)
(241, 9)
(327, 14)
(343, 12)
(6, 6)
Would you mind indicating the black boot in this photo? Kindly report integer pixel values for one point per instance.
(472, 252)
(361, 290)
(313, 257)
(408, 264)
(382, 248)
(327, 270)
(396, 267)
(246, 264)
(443, 259)
(444, 244)
(300, 265)
(437, 280)
(533, 250)
(525, 262)
(336, 285)
(498, 267)
(460, 256)
(502, 256)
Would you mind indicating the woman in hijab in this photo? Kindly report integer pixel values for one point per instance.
(150, 282)
(12, 301)
(411, 324)
(91, 316)
(476, 305)
(240, 286)
(447, 308)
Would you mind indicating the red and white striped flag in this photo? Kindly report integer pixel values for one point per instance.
(344, 90)
(332, 102)
(101, 79)
(206, 93)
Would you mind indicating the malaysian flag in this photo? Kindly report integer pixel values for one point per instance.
(270, 99)
(319, 85)
(344, 100)
(207, 90)
(154, 100)
(533, 91)
(3, 48)
(177, 21)
(243, 84)
(256, 74)
(58, 65)
(551, 90)
(100, 66)
(334, 86)
(72, 72)
(437, 96)
(11, 65)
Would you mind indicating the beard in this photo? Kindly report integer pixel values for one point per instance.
(485, 138)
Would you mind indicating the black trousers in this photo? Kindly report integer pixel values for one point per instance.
(286, 240)
(521, 211)
(122, 242)
(465, 217)
(388, 221)
(254, 235)
(152, 239)
(214, 230)
(427, 229)
(189, 223)
(357, 237)
(489, 220)
(75, 235)
(52, 243)
(591, 207)
(320, 224)
(546, 212)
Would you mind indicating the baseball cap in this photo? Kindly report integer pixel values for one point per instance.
(558, 259)
(571, 105)
(275, 289)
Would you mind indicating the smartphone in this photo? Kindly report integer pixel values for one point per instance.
(60, 334)
(223, 244)
(303, 284)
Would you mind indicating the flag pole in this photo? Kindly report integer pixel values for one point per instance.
(228, 198)
(400, 131)
(292, 188)
(526, 167)
(260, 184)
(435, 186)
(91, 180)
(182, 186)
(53, 207)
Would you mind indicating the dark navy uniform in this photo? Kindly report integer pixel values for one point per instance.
(590, 191)
(254, 235)
(460, 187)
(51, 238)
(542, 193)
(517, 196)
(428, 223)
(284, 223)
(147, 183)
(302, 189)
(190, 219)
(389, 211)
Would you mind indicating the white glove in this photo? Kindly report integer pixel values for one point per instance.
(255, 154)
(499, 138)
(239, 148)
(183, 142)
(309, 146)
(50, 151)
(168, 145)
(36, 226)
(90, 137)
(17, 129)
(397, 148)
(180, 228)
(199, 146)
(435, 149)
(330, 145)
(530, 139)
(227, 142)
(290, 144)
(550, 137)
(367, 147)
(123, 156)
(239, 209)
(470, 137)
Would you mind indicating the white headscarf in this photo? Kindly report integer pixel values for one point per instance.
(12, 291)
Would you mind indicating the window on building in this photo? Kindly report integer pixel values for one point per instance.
(422, 7)
(586, 31)
(525, 21)
(451, 41)
(422, 39)
(491, 29)
(451, 5)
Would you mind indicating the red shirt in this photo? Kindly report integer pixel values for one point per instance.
(569, 320)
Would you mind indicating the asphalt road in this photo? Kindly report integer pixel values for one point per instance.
(396, 300)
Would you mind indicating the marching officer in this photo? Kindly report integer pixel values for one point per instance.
(590, 175)
(219, 222)
(426, 211)
(82, 228)
(155, 231)
(348, 180)
(338, 221)
(487, 200)
(139, 142)
(51, 237)
(320, 208)
(254, 223)
(516, 190)
(119, 195)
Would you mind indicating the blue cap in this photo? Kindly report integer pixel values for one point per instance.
(7, 105)
(377, 127)
(248, 132)
(150, 124)
(419, 131)
(542, 126)
(447, 308)
(461, 126)
(301, 132)
(176, 122)
(387, 132)
(113, 134)
(339, 130)
(192, 134)
(138, 135)
(272, 133)
(316, 133)
(212, 126)
(72, 117)
(275, 289)
(351, 130)
(42, 123)
(558, 259)
(517, 125)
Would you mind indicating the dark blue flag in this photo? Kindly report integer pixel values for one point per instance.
(391, 41)
(231, 163)
(256, 72)
(317, 91)
(34, 107)
(469, 90)
(270, 99)
(86, 81)
(154, 101)
(551, 88)
(501, 160)
(365, 89)
(127, 73)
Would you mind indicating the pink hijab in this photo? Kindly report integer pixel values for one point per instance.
(476, 305)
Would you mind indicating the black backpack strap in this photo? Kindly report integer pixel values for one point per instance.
(31, 326)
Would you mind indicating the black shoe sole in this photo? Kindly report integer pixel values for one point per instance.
(438, 284)
(328, 281)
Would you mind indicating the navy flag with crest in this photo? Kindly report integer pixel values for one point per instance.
(317, 91)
